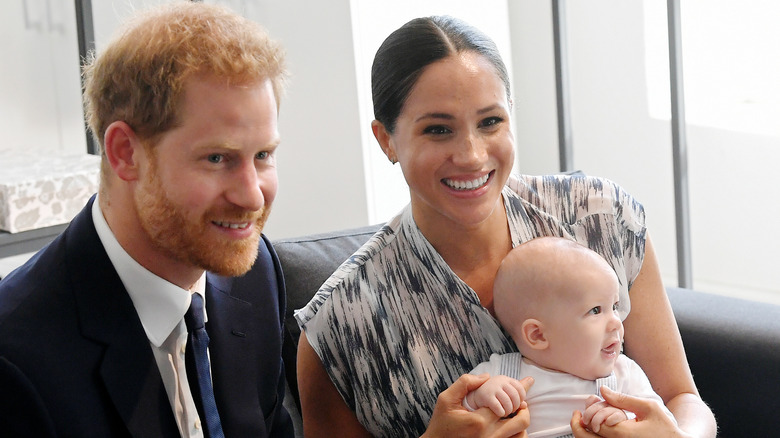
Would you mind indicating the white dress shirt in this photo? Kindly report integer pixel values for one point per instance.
(161, 306)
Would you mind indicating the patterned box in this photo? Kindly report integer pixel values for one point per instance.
(42, 190)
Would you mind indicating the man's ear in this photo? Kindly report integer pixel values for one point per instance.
(532, 331)
(122, 148)
(383, 138)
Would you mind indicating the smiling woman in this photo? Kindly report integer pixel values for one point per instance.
(452, 138)
(386, 339)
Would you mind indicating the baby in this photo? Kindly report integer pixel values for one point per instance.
(558, 300)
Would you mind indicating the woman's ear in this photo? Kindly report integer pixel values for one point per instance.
(532, 331)
(384, 140)
(122, 147)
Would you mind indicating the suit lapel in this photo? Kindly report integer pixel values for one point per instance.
(245, 329)
(234, 358)
(107, 315)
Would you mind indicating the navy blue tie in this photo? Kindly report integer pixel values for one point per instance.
(196, 360)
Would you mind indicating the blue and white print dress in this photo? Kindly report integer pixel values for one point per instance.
(394, 326)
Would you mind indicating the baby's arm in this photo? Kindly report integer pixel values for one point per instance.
(503, 395)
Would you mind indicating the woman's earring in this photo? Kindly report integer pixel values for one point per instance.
(393, 161)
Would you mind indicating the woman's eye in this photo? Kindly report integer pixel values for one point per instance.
(436, 130)
(596, 310)
(491, 121)
(215, 158)
(262, 155)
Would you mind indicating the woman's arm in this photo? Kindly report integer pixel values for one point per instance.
(653, 340)
(324, 411)
(322, 408)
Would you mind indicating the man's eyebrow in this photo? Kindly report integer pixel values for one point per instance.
(217, 145)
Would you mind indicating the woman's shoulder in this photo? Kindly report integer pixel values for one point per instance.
(349, 276)
(574, 194)
(563, 185)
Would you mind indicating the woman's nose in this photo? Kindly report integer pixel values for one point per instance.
(471, 150)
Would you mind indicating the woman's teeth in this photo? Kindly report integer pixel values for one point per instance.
(467, 185)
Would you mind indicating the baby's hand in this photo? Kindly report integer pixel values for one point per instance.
(501, 394)
(599, 412)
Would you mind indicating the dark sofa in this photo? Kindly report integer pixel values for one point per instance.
(733, 345)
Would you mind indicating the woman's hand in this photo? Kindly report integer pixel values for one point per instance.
(598, 412)
(651, 420)
(451, 419)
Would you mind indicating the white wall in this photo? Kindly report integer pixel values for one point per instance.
(321, 174)
(534, 86)
(40, 92)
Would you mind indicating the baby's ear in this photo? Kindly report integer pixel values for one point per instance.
(532, 331)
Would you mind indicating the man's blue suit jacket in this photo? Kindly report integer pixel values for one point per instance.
(75, 360)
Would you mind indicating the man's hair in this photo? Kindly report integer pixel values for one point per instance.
(139, 77)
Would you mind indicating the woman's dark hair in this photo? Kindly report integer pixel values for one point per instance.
(405, 54)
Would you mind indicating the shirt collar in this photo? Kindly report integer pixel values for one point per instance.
(159, 303)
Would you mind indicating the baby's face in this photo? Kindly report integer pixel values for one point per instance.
(584, 330)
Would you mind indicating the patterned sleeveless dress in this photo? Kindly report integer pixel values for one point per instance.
(394, 326)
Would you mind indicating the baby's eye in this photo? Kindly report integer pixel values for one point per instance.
(615, 306)
(215, 158)
(595, 311)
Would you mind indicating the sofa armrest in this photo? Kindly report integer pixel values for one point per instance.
(733, 348)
